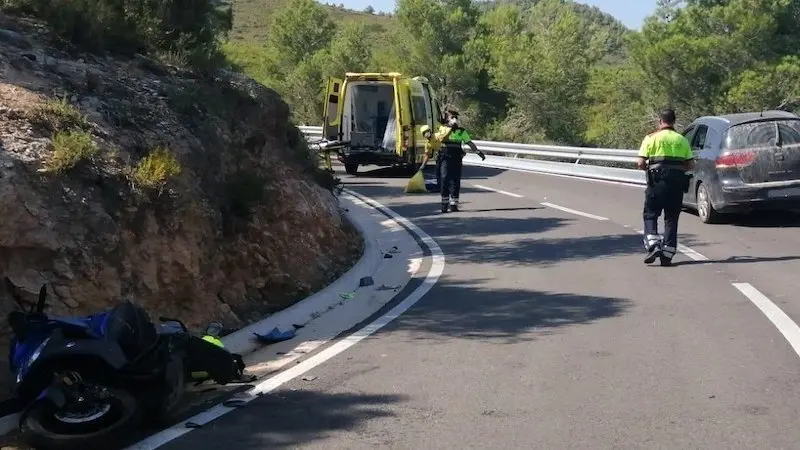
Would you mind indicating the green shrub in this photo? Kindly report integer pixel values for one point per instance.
(155, 169)
(59, 115)
(189, 28)
(69, 149)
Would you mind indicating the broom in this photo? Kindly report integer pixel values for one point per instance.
(416, 185)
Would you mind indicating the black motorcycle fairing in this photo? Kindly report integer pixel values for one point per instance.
(60, 353)
(130, 327)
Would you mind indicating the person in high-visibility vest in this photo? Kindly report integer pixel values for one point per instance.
(666, 156)
(432, 146)
(452, 137)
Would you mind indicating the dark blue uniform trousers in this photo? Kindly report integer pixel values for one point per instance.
(664, 193)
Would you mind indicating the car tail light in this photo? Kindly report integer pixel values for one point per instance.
(735, 159)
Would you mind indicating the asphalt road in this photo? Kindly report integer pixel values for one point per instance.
(546, 331)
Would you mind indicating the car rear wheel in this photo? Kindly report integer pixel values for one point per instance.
(705, 210)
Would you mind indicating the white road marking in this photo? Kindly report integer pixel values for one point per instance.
(573, 177)
(265, 386)
(573, 211)
(487, 188)
(782, 322)
(691, 253)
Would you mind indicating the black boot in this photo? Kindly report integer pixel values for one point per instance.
(653, 253)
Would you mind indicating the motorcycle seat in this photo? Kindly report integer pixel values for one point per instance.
(129, 326)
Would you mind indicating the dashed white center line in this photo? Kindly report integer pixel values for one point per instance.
(775, 314)
(487, 188)
(573, 211)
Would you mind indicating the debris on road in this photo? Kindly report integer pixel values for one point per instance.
(388, 288)
(309, 378)
(275, 336)
(366, 281)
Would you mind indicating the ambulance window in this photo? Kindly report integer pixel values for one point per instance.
(419, 109)
(428, 105)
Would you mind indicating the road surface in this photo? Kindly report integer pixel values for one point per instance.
(546, 331)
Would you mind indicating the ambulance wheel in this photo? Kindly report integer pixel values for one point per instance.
(351, 168)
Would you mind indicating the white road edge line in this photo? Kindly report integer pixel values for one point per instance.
(573, 211)
(265, 386)
(691, 253)
(487, 188)
(775, 314)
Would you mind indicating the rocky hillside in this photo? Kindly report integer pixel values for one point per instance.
(125, 178)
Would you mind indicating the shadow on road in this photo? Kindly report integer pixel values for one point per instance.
(287, 419)
(473, 310)
(471, 173)
(760, 219)
(740, 260)
(537, 252)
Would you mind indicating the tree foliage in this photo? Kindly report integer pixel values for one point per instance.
(541, 70)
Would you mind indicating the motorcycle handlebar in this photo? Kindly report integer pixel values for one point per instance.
(42, 300)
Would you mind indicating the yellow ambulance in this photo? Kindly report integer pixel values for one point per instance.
(375, 119)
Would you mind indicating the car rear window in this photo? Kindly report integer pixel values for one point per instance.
(764, 134)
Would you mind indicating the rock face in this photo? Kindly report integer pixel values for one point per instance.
(244, 230)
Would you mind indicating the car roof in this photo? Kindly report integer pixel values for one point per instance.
(729, 120)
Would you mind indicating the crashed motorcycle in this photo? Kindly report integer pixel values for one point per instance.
(84, 380)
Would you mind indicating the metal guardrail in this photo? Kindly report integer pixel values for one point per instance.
(507, 155)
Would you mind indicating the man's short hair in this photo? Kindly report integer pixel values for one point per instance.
(667, 116)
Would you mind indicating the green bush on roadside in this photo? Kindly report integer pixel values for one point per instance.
(191, 30)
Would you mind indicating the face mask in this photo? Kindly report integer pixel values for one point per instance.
(453, 122)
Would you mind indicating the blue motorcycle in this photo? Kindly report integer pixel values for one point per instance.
(84, 380)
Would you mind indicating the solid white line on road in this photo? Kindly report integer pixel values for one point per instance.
(573, 211)
(775, 314)
(691, 253)
(487, 188)
(265, 386)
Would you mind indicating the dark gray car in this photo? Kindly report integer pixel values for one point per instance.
(745, 161)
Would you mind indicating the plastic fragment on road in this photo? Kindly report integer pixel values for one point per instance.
(347, 295)
(274, 336)
(309, 378)
(388, 288)
(193, 425)
(366, 281)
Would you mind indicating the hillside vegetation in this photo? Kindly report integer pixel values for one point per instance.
(134, 165)
(536, 70)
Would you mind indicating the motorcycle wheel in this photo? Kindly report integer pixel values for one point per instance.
(99, 424)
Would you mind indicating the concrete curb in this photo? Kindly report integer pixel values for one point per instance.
(311, 307)
(299, 313)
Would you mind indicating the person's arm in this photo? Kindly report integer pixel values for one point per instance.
(428, 151)
(474, 149)
(687, 153)
(467, 139)
(644, 153)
